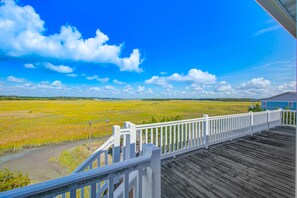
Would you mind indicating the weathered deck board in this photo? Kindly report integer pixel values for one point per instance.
(262, 165)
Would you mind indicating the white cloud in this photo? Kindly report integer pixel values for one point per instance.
(223, 86)
(72, 75)
(58, 68)
(194, 75)
(95, 77)
(161, 81)
(29, 66)
(109, 88)
(57, 83)
(150, 91)
(132, 63)
(15, 79)
(95, 89)
(128, 89)
(266, 30)
(163, 73)
(47, 85)
(23, 34)
(196, 87)
(284, 87)
(118, 82)
(255, 87)
(140, 89)
(256, 83)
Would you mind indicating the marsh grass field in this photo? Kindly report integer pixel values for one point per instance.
(26, 124)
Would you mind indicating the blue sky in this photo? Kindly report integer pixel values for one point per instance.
(136, 49)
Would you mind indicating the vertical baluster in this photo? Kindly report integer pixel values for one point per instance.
(140, 141)
(165, 139)
(110, 187)
(200, 132)
(195, 124)
(219, 130)
(73, 193)
(170, 138)
(157, 138)
(178, 136)
(215, 129)
(126, 185)
(146, 136)
(186, 135)
(193, 134)
(139, 184)
(182, 136)
(105, 157)
(190, 135)
(161, 139)
(174, 137)
(93, 190)
(124, 146)
(227, 127)
(152, 135)
(82, 192)
(98, 161)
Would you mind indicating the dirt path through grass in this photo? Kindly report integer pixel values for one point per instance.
(36, 161)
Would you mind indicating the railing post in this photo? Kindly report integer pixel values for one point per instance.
(252, 122)
(206, 131)
(127, 145)
(268, 118)
(281, 116)
(132, 140)
(116, 130)
(152, 180)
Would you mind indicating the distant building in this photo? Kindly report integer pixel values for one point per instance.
(285, 100)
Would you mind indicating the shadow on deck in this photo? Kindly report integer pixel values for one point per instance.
(262, 165)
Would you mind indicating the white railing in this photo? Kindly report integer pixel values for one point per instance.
(289, 118)
(146, 183)
(129, 148)
(182, 136)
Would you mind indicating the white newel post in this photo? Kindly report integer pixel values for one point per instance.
(252, 122)
(116, 130)
(206, 131)
(280, 116)
(268, 118)
(152, 180)
(132, 149)
(127, 145)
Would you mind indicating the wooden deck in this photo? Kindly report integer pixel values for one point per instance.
(262, 165)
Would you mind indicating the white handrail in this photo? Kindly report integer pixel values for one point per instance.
(103, 148)
(74, 182)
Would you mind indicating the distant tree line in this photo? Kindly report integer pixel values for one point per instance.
(53, 98)
(144, 99)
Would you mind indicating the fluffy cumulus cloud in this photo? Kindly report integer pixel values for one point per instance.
(15, 79)
(256, 86)
(195, 76)
(23, 35)
(140, 89)
(290, 86)
(58, 68)
(48, 85)
(260, 87)
(95, 77)
(118, 82)
(223, 86)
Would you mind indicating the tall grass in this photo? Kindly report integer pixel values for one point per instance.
(26, 124)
